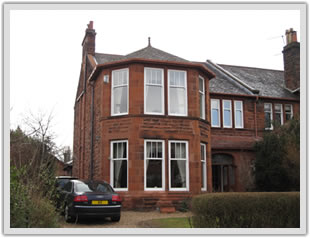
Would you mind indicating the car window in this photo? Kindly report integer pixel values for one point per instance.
(68, 187)
(93, 187)
(82, 187)
(62, 182)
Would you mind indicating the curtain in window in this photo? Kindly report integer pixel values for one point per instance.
(120, 165)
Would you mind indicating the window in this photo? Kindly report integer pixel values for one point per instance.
(177, 93)
(268, 116)
(153, 91)
(119, 165)
(288, 112)
(154, 165)
(227, 114)
(203, 167)
(178, 166)
(238, 114)
(215, 113)
(278, 114)
(202, 98)
(119, 92)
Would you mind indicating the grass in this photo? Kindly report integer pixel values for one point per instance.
(178, 222)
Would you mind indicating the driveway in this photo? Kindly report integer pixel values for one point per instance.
(129, 219)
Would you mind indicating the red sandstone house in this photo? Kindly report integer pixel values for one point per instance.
(161, 129)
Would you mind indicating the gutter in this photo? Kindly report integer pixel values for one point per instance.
(253, 90)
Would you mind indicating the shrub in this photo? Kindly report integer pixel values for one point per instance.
(247, 210)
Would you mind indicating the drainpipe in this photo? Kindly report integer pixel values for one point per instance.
(255, 115)
(92, 131)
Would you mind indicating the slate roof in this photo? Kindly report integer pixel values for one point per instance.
(148, 52)
(270, 83)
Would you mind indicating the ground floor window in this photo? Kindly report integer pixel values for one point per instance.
(119, 165)
(178, 166)
(154, 171)
(203, 167)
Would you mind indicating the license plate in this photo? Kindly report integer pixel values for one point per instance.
(104, 202)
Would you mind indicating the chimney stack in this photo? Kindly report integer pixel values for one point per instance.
(291, 57)
(89, 40)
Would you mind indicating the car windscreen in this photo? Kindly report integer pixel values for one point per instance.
(93, 187)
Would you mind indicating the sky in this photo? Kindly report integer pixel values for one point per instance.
(46, 51)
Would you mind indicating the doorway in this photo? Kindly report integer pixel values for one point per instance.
(223, 173)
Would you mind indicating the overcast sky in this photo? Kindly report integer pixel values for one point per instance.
(46, 52)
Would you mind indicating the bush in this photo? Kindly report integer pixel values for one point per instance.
(247, 210)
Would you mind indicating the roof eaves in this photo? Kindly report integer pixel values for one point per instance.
(253, 90)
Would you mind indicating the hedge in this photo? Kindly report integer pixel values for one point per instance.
(247, 210)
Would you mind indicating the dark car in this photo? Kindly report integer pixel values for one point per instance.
(90, 198)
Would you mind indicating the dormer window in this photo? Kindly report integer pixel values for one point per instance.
(177, 93)
(153, 91)
(120, 93)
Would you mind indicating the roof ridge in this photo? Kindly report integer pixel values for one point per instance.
(107, 54)
(250, 67)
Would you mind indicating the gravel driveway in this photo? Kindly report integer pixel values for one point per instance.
(129, 219)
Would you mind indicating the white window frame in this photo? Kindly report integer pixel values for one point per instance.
(162, 166)
(112, 93)
(112, 164)
(291, 111)
(219, 113)
(271, 117)
(203, 98)
(230, 113)
(187, 163)
(281, 112)
(185, 87)
(162, 92)
(204, 179)
(235, 107)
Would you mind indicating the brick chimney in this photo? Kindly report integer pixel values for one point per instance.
(89, 40)
(291, 56)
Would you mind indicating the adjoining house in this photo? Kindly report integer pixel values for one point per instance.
(160, 128)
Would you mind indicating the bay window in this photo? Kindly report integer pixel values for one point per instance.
(227, 122)
(153, 91)
(154, 154)
(202, 98)
(177, 93)
(238, 114)
(203, 159)
(119, 94)
(119, 165)
(178, 166)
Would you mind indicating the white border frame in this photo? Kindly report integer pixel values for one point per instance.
(219, 112)
(186, 165)
(112, 100)
(205, 171)
(162, 166)
(186, 99)
(112, 165)
(271, 116)
(204, 98)
(230, 113)
(235, 110)
(162, 89)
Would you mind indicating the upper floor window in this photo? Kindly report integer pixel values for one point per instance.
(215, 113)
(238, 114)
(153, 91)
(227, 122)
(202, 98)
(177, 93)
(288, 112)
(203, 158)
(119, 101)
(278, 114)
(268, 115)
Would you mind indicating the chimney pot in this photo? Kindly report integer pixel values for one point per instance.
(291, 36)
(90, 25)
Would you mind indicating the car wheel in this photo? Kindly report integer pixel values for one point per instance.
(68, 217)
(116, 218)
